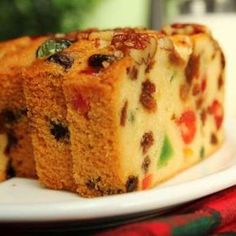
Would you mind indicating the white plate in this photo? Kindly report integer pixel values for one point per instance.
(23, 200)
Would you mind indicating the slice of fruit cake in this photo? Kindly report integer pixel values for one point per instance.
(137, 119)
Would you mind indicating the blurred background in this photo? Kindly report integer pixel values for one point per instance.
(33, 17)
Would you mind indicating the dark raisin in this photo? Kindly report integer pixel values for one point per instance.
(147, 141)
(11, 141)
(123, 116)
(132, 72)
(214, 139)
(92, 183)
(10, 170)
(98, 60)
(146, 97)
(10, 117)
(132, 183)
(146, 164)
(61, 59)
(59, 131)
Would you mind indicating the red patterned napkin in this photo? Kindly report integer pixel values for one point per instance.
(213, 215)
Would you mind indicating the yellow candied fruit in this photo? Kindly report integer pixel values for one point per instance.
(188, 152)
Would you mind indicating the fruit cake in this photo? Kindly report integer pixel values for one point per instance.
(122, 110)
(136, 121)
(15, 55)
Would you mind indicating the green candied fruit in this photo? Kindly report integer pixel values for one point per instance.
(166, 152)
(52, 46)
(202, 152)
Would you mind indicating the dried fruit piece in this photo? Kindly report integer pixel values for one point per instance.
(147, 141)
(99, 61)
(147, 181)
(192, 68)
(132, 72)
(217, 111)
(196, 89)
(92, 183)
(52, 46)
(59, 131)
(81, 104)
(202, 152)
(214, 139)
(132, 183)
(146, 97)
(123, 116)
(12, 141)
(10, 117)
(62, 59)
(187, 123)
(203, 116)
(146, 164)
(166, 152)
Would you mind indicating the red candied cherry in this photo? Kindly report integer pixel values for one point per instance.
(216, 110)
(81, 104)
(187, 123)
(146, 183)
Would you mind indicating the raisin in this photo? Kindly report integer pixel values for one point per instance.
(12, 141)
(146, 97)
(92, 183)
(220, 81)
(203, 116)
(132, 183)
(150, 66)
(147, 141)
(214, 139)
(123, 115)
(222, 60)
(59, 131)
(61, 59)
(99, 61)
(196, 89)
(10, 117)
(132, 72)
(10, 170)
(192, 68)
(146, 164)
(199, 103)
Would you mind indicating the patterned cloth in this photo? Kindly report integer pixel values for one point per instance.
(213, 215)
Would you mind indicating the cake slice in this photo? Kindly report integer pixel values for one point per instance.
(47, 110)
(15, 55)
(136, 121)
